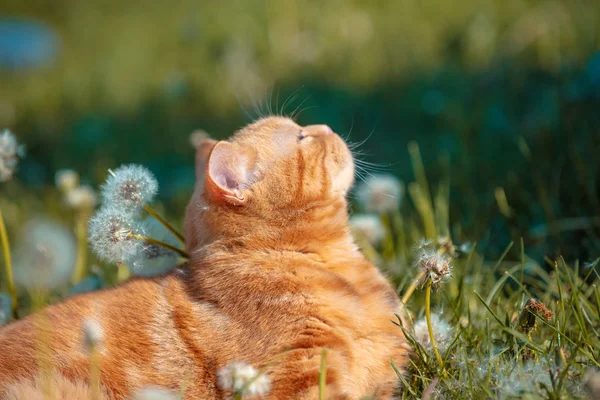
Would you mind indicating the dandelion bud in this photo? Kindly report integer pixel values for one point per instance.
(380, 193)
(527, 316)
(368, 227)
(92, 333)
(239, 377)
(129, 187)
(66, 180)
(111, 235)
(154, 393)
(10, 152)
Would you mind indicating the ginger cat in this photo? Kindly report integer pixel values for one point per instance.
(274, 277)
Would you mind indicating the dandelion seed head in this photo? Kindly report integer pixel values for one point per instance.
(66, 179)
(154, 393)
(92, 333)
(10, 152)
(368, 226)
(592, 382)
(442, 332)
(81, 197)
(436, 266)
(45, 255)
(110, 235)
(380, 193)
(129, 187)
(514, 380)
(197, 137)
(238, 376)
(152, 259)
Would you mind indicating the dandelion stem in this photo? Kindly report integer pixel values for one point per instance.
(182, 253)
(95, 372)
(323, 375)
(160, 219)
(412, 287)
(123, 272)
(81, 232)
(12, 291)
(430, 327)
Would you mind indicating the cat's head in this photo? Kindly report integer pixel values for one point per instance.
(269, 171)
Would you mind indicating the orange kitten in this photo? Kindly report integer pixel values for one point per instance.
(274, 277)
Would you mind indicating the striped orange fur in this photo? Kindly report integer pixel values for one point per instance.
(274, 277)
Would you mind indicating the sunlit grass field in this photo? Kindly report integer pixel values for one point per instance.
(508, 327)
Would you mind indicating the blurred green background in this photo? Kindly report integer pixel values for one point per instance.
(498, 94)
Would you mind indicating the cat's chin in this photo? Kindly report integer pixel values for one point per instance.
(344, 179)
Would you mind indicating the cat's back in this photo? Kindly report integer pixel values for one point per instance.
(142, 325)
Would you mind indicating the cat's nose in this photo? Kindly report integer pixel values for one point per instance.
(317, 130)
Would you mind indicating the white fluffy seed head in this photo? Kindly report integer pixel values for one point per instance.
(367, 227)
(154, 393)
(436, 266)
(239, 377)
(92, 333)
(111, 235)
(152, 259)
(44, 258)
(10, 152)
(517, 380)
(380, 193)
(592, 382)
(129, 187)
(81, 197)
(66, 179)
(197, 137)
(442, 332)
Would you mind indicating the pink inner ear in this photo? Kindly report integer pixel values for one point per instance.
(228, 170)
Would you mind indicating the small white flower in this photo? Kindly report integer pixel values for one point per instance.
(111, 235)
(442, 332)
(154, 393)
(10, 152)
(239, 377)
(380, 193)
(92, 333)
(129, 187)
(81, 197)
(152, 259)
(45, 256)
(66, 179)
(368, 226)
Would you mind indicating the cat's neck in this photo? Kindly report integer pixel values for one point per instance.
(321, 229)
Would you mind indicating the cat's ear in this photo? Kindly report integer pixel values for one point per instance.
(229, 173)
(203, 150)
